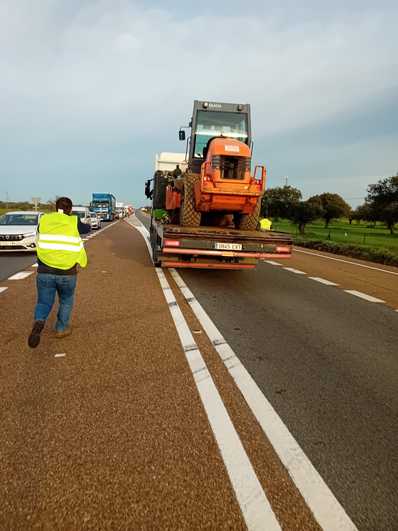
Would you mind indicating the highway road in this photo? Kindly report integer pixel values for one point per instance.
(10, 263)
(119, 427)
(327, 361)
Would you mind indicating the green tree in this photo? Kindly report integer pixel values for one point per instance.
(304, 212)
(332, 206)
(383, 199)
(278, 202)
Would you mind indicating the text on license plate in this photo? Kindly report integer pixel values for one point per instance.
(221, 246)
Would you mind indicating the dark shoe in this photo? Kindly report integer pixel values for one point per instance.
(63, 333)
(34, 338)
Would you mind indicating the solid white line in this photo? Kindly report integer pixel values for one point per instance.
(346, 261)
(328, 512)
(21, 275)
(296, 271)
(255, 507)
(272, 262)
(323, 281)
(3, 289)
(362, 295)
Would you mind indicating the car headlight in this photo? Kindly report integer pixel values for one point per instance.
(29, 235)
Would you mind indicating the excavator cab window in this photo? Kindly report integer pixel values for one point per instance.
(211, 124)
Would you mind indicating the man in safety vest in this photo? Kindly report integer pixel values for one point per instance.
(59, 250)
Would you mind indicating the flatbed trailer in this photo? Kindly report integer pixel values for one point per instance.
(215, 247)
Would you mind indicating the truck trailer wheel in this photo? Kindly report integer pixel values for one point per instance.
(189, 217)
(250, 221)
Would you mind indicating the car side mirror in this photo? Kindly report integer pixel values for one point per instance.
(181, 134)
(148, 189)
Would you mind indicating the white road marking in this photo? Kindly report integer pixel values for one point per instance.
(255, 507)
(272, 262)
(21, 275)
(60, 355)
(296, 271)
(346, 261)
(326, 509)
(323, 281)
(35, 265)
(3, 289)
(362, 295)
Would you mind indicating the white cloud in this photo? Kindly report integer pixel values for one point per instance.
(108, 71)
(118, 59)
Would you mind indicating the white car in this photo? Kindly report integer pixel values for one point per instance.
(18, 231)
(94, 220)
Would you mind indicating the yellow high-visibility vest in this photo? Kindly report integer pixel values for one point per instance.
(59, 243)
(265, 224)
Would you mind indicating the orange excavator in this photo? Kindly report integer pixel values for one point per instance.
(208, 214)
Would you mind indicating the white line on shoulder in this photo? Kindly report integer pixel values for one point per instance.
(326, 509)
(363, 295)
(345, 261)
(323, 281)
(20, 275)
(4, 289)
(296, 271)
(256, 509)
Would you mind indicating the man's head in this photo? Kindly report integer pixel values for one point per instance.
(64, 204)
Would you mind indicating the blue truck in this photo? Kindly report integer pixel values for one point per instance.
(104, 205)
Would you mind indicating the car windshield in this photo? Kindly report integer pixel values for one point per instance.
(80, 214)
(19, 219)
(211, 124)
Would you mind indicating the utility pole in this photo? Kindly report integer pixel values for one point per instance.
(286, 180)
(36, 201)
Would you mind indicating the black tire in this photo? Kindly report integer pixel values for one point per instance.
(250, 221)
(154, 246)
(189, 216)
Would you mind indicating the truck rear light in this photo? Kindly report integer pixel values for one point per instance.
(171, 243)
(282, 249)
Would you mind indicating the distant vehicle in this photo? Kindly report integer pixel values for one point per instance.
(18, 231)
(206, 202)
(104, 205)
(82, 212)
(94, 220)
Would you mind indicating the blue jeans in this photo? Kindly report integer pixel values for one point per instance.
(47, 286)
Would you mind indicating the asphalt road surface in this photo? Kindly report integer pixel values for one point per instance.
(105, 429)
(11, 263)
(328, 363)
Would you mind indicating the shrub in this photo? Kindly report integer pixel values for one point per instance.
(380, 255)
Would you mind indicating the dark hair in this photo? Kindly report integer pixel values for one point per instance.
(65, 204)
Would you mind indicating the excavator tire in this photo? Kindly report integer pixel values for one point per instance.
(250, 221)
(189, 217)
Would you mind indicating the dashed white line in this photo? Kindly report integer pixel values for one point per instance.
(272, 262)
(346, 261)
(361, 295)
(326, 509)
(60, 355)
(323, 281)
(296, 271)
(20, 275)
(255, 507)
(3, 289)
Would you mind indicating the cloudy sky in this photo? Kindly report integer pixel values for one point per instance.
(90, 90)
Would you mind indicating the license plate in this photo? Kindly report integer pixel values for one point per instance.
(221, 246)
